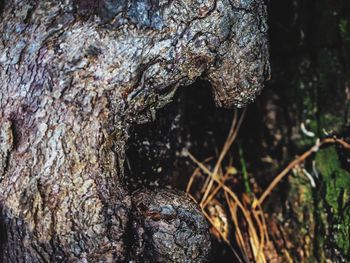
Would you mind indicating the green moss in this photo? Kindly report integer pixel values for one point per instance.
(302, 214)
(315, 93)
(336, 187)
(322, 214)
(344, 27)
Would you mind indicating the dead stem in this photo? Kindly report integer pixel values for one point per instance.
(296, 162)
(230, 139)
(247, 218)
(255, 225)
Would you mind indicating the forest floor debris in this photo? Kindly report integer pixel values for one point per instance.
(235, 213)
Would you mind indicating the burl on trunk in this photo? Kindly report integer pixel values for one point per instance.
(74, 77)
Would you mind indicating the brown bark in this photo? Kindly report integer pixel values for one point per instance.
(74, 77)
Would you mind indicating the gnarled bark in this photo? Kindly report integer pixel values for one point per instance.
(74, 77)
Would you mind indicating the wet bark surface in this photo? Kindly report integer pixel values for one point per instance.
(75, 76)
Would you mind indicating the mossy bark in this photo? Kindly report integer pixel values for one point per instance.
(311, 66)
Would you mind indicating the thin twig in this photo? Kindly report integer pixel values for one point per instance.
(230, 139)
(296, 162)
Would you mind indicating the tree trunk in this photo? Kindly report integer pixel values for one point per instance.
(310, 54)
(74, 77)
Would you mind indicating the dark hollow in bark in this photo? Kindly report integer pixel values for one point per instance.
(74, 77)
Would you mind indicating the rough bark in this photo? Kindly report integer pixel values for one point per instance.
(163, 231)
(74, 76)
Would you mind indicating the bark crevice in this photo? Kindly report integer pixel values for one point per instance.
(73, 86)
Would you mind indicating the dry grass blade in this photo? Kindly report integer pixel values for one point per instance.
(194, 174)
(223, 237)
(248, 220)
(260, 255)
(239, 236)
(252, 242)
(190, 182)
(296, 162)
(230, 139)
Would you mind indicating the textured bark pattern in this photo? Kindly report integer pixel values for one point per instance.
(74, 76)
(164, 223)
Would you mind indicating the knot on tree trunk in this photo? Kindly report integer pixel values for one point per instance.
(168, 227)
(75, 76)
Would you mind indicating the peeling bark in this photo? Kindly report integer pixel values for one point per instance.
(74, 77)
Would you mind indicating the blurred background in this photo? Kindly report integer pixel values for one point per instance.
(306, 216)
